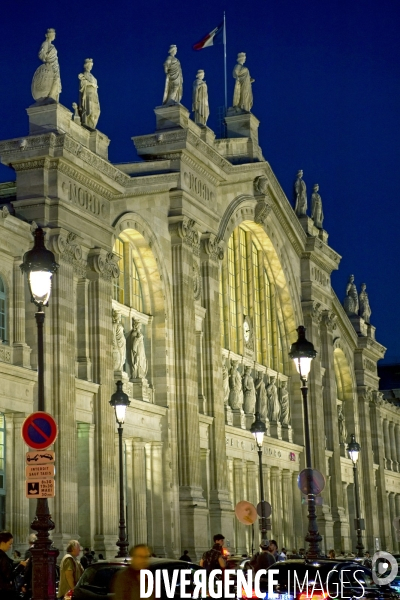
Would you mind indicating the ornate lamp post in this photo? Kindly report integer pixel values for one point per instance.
(302, 352)
(354, 449)
(258, 429)
(39, 264)
(120, 401)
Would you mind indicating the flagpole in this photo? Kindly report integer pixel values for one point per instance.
(226, 92)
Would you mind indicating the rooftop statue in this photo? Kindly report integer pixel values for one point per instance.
(300, 191)
(242, 94)
(316, 207)
(350, 302)
(200, 99)
(46, 82)
(89, 107)
(365, 309)
(173, 78)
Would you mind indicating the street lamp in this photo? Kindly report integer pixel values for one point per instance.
(302, 352)
(39, 264)
(120, 401)
(353, 450)
(258, 429)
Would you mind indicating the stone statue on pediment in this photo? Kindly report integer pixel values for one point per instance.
(119, 342)
(316, 207)
(89, 106)
(350, 303)
(46, 82)
(200, 99)
(173, 78)
(273, 406)
(261, 395)
(235, 386)
(300, 191)
(342, 426)
(138, 360)
(365, 309)
(249, 393)
(285, 404)
(225, 382)
(243, 93)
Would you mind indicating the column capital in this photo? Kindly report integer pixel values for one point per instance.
(66, 245)
(103, 263)
(211, 248)
(329, 320)
(312, 309)
(184, 231)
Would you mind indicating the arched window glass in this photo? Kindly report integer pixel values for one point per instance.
(221, 309)
(3, 309)
(232, 295)
(268, 320)
(256, 304)
(137, 298)
(119, 291)
(243, 269)
(2, 470)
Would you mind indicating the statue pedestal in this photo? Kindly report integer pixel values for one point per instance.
(141, 390)
(171, 116)
(359, 324)
(323, 235)
(275, 430)
(242, 124)
(121, 376)
(308, 225)
(98, 143)
(228, 415)
(207, 134)
(249, 418)
(287, 433)
(238, 419)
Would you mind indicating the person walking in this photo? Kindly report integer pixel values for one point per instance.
(8, 570)
(331, 553)
(263, 559)
(70, 569)
(213, 559)
(126, 583)
(273, 548)
(185, 556)
(87, 558)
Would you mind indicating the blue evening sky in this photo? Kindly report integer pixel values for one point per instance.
(327, 93)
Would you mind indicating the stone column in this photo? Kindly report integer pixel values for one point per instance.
(220, 505)
(346, 540)
(18, 521)
(157, 490)
(139, 516)
(185, 250)
(393, 449)
(297, 514)
(103, 270)
(86, 483)
(386, 439)
(397, 507)
(253, 496)
(200, 373)
(287, 509)
(240, 528)
(83, 362)
(392, 512)
(276, 503)
(21, 351)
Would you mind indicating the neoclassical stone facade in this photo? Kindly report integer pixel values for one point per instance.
(186, 276)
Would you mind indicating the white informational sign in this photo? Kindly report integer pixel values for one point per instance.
(40, 488)
(39, 471)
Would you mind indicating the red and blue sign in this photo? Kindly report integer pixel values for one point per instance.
(39, 430)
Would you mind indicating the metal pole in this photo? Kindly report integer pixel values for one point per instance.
(360, 547)
(313, 537)
(263, 519)
(122, 540)
(44, 555)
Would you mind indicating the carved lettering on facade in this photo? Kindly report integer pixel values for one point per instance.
(196, 185)
(85, 199)
(319, 276)
(369, 365)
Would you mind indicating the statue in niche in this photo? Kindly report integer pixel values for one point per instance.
(235, 386)
(89, 106)
(300, 191)
(200, 99)
(173, 78)
(225, 382)
(273, 406)
(249, 393)
(342, 426)
(285, 404)
(138, 354)
(119, 342)
(365, 309)
(261, 395)
(242, 94)
(316, 207)
(350, 302)
(46, 82)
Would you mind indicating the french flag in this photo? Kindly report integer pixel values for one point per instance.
(216, 36)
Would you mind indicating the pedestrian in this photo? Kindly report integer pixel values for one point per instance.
(185, 556)
(70, 569)
(294, 554)
(8, 570)
(331, 553)
(94, 558)
(302, 552)
(17, 555)
(126, 583)
(213, 559)
(273, 548)
(282, 555)
(367, 560)
(101, 557)
(87, 558)
(263, 559)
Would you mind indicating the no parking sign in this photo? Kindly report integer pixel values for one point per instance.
(39, 430)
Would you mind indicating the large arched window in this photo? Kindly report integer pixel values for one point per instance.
(127, 288)
(247, 290)
(3, 310)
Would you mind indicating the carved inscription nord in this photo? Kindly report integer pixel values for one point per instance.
(85, 199)
(197, 186)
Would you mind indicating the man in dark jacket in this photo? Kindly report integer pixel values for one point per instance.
(8, 571)
(214, 559)
(126, 583)
(185, 556)
(263, 559)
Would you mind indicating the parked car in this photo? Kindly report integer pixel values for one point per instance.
(318, 570)
(95, 582)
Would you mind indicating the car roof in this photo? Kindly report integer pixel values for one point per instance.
(127, 560)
